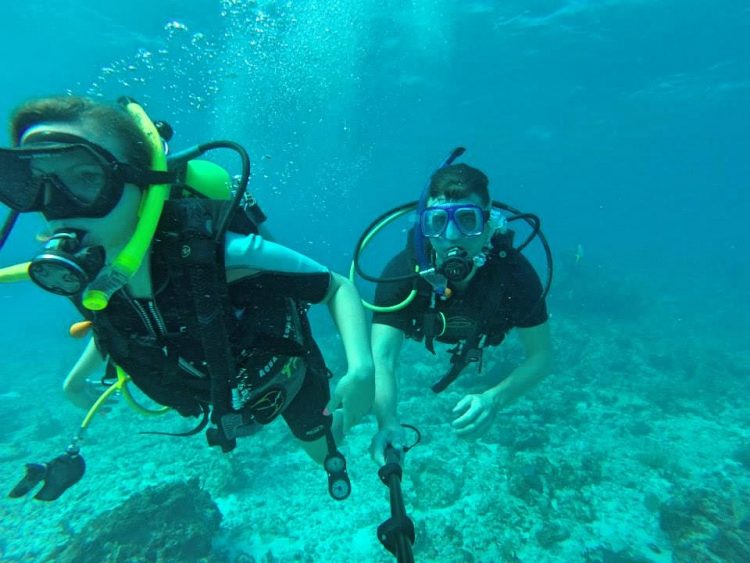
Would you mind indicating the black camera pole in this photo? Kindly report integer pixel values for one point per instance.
(397, 533)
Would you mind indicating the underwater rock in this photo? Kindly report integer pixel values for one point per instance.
(731, 545)
(704, 524)
(531, 476)
(660, 459)
(607, 555)
(532, 440)
(527, 476)
(567, 476)
(171, 522)
(436, 487)
(640, 428)
(550, 534)
(46, 428)
(742, 454)
(12, 452)
(227, 475)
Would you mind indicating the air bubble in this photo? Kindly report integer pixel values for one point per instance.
(175, 26)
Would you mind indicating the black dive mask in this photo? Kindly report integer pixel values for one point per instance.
(64, 176)
(457, 265)
(65, 267)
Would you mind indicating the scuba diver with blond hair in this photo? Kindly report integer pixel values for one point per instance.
(461, 280)
(185, 295)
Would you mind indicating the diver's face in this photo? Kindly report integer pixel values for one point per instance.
(114, 229)
(454, 235)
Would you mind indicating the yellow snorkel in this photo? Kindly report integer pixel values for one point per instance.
(115, 276)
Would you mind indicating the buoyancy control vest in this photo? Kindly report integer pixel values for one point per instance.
(158, 342)
(471, 320)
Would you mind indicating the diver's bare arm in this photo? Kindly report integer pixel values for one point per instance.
(346, 311)
(87, 365)
(537, 344)
(386, 349)
(354, 391)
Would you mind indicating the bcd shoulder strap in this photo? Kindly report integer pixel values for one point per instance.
(193, 222)
(471, 349)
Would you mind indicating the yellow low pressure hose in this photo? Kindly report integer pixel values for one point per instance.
(120, 385)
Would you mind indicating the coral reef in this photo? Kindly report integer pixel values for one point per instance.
(171, 522)
(708, 524)
(634, 451)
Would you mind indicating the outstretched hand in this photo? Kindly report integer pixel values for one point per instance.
(353, 394)
(85, 394)
(393, 435)
(476, 413)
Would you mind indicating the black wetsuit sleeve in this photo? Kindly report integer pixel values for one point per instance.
(307, 287)
(388, 294)
(528, 309)
(276, 268)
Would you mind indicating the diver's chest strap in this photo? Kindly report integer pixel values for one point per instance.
(465, 353)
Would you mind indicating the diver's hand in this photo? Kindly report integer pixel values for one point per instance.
(391, 434)
(85, 394)
(476, 413)
(353, 394)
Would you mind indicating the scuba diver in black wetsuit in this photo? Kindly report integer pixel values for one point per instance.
(460, 281)
(184, 295)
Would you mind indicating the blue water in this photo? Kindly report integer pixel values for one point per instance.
(624, 124)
